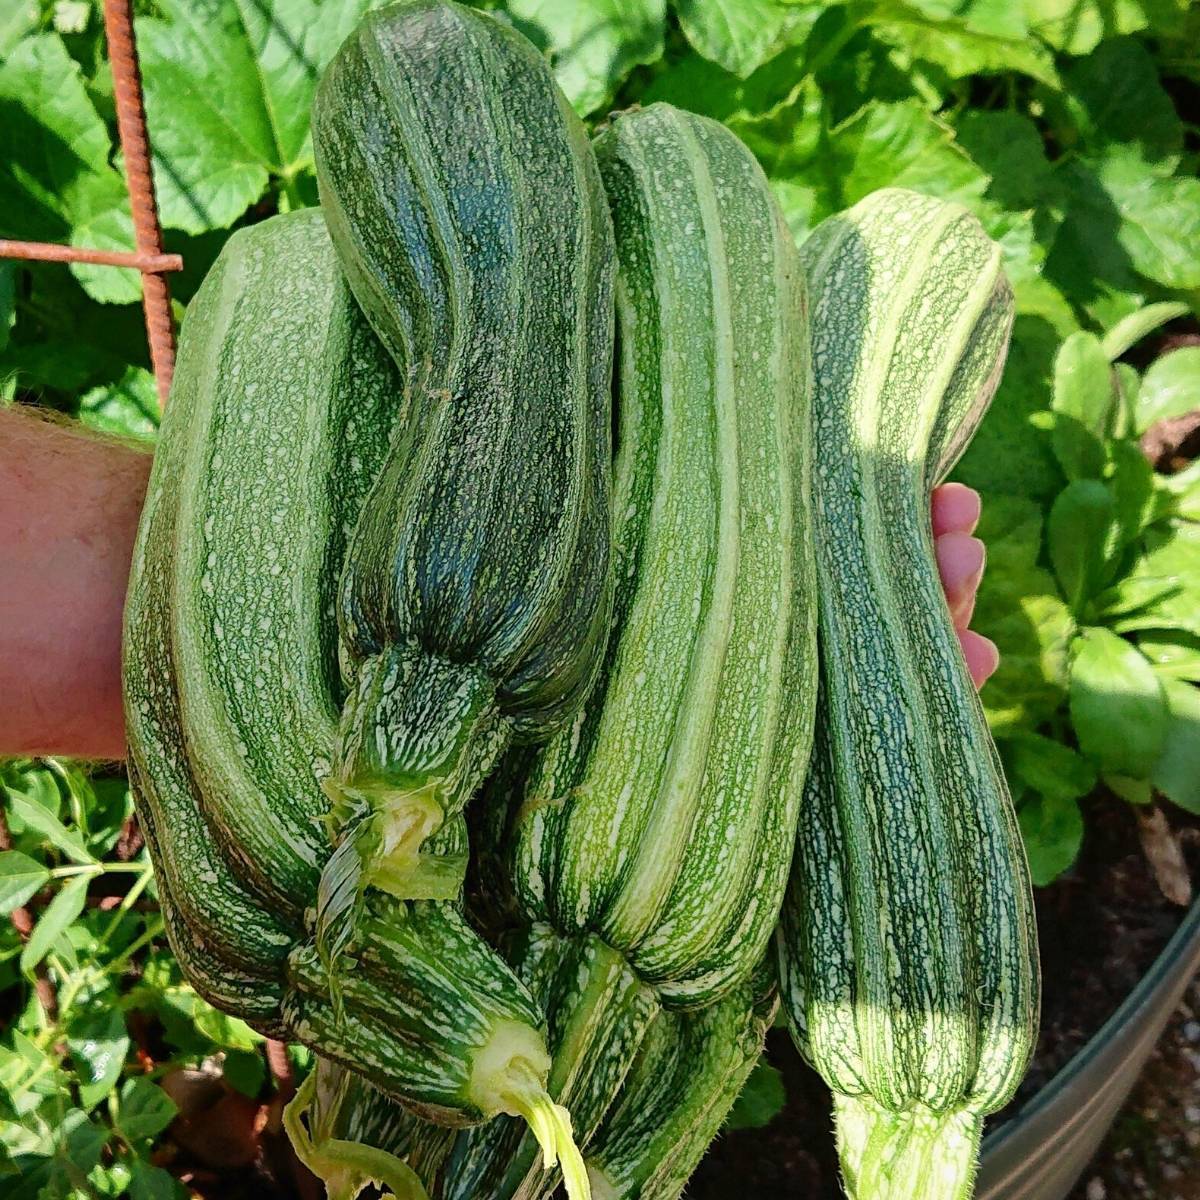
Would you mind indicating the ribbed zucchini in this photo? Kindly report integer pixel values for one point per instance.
(279, 416)
(465, 204)
(661, 823)
(690, 1069)
(907, 951)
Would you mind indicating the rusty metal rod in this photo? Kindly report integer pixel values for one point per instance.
(147, 232)
(53, 252)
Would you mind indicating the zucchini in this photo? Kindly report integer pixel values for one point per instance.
(908, 953)
(690, 1069)
(662, 822)
(467, 211)
(233, 717)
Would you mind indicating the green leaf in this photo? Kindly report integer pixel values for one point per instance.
(961, 47)
(1077, 26)
(593, 44)
(1019, 609)
(148, 1182)
(739, 35)
(223, 1030)
(1130, 330)
(1118, 707)
(1170, 388)
(229, 86)
(1048, 767)
(1083, 405)
(760, 1101)
(1114, 97)
(1078, 532)
(1172, 558)
(1159, 225)
(128, 407)
(42, 821)
(20, 878)
(145, 1109)
(1134, 489)
(98, 1043)
(61, 912)
(56, 182)
(1132, 791)
(1177, 772)
(17, 19)
(1087, 260)
(1011, 149)
(1052, 829)
(245, 1071)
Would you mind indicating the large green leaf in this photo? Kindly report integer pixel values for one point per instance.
(1052, 829)
(1077, 26)
(56, 182)
(1159, 225)
(98, 1042)
(1019, 609)
(1130, 330)
(593, 44)
(740, 35)
(1118, 706)
(1114, 97)
(961, 40)
(1079, 531)
(1170, 567)
(229, 85)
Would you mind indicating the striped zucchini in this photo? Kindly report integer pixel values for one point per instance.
(689, 1070)
(280, 414)
(908, 951)
(662, 821)
(464, 201)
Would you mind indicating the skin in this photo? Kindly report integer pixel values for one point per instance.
(69, 507)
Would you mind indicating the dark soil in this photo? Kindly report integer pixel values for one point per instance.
(1101, 926)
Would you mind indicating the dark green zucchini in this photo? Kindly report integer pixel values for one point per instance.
(464, 201)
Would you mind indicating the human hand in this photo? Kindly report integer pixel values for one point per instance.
(960, 561)
(69, 506)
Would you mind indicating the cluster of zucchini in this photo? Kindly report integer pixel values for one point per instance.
(472, 679)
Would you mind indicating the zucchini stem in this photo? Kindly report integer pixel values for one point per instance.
(917, 1154)
(550, 1123)
(346, 1168)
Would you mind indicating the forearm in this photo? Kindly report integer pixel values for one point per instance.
(69, 506)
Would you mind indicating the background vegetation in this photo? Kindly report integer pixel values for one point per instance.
(1068, 126)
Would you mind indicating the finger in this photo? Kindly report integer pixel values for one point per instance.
(981, 655)
(960, 562)
(955, 509)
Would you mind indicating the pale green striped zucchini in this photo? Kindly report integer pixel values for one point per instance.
(465, 204)
(908, 953)
(661, 822)
(278, 418)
